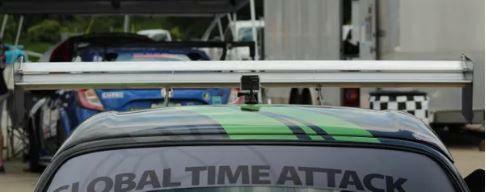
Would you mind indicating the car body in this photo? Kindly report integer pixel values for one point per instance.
(90, 102)
(252, 148)
(56, 117)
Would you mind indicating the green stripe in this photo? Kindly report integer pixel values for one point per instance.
(340, 129)
(240, 124)
(295, 126)
(245, 124)
(312, 134)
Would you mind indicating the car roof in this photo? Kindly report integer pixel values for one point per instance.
(110, 38)
(193, 54)
(260, 122)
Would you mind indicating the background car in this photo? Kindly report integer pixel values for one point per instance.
(56, 116)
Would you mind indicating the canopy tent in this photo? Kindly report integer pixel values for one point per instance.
(187, 8)
(175, 8)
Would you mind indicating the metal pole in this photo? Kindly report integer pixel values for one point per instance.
(220, 29)
(19, 29)
(210, 28)
(167, 95)
(230, 26)
(126, 23)
(235, 19)
(253, 28)
(4, 24)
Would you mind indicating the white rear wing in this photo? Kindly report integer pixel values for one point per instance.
(207, 74)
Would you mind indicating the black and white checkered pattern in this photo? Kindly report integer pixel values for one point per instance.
(415, 103)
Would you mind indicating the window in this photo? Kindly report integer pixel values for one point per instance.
(250, 168)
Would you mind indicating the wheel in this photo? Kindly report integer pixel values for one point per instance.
(34, 144)
(61, 134)
(295, 97)
(306, 96)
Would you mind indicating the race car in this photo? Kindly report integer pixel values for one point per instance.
(254, 147)
(56, 115)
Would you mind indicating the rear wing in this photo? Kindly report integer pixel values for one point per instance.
(173, 45)
(214, 74)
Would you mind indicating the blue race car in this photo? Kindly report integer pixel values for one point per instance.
(88, 102)
(55, 117)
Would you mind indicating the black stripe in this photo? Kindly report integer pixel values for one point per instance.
(319, 131)
(189, 123)
(296, 130)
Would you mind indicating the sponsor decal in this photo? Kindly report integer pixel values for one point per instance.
(241, 175)
(159, 56)
(112, 95)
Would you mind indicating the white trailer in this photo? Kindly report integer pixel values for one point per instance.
(385, 30)
(436, 30)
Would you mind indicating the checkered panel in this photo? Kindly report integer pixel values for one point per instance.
(415, 103)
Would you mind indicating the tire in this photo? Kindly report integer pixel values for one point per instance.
(481, 146)
(295, 97)
(61, 134)
(306, 96)
(300, 97)
(34, 144)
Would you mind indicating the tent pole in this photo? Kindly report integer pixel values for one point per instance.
(19, 29)
(210, 28)
(235, 35)
(230, 27)
(253, 28)
(4, 24)
(220, 29)
(126, 23)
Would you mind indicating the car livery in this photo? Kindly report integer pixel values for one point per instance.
(252, 148)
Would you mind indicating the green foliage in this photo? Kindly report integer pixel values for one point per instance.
(176, 33)
(45, 31)
(40, 32)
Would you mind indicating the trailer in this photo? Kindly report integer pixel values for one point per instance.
(381, 30)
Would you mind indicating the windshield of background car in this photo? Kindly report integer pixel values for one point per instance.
(128, 54)
(153, 56)
(250, 168)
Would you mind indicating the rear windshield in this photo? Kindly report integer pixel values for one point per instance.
(250, 168)
(134, 54)
(153, 56)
